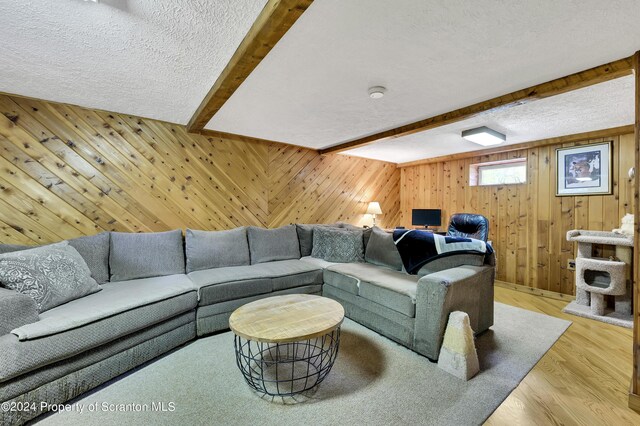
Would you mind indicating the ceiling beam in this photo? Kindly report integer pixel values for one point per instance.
(578, 137)
(271, 25)
(599, 74)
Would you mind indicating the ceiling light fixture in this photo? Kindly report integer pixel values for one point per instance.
(484, 136)
(376, 92)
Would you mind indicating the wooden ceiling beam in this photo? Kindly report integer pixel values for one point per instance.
(599, 74)
(271, 25)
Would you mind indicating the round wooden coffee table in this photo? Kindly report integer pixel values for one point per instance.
(286, 345)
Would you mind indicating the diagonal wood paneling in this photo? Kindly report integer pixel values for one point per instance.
(67, 171)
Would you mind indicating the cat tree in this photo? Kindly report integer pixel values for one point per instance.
(598, 277)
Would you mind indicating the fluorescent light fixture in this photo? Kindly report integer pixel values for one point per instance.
(484, 136)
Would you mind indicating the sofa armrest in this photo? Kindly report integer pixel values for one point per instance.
(464, 288)
(16, 310)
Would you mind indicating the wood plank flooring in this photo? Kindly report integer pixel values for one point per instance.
(583, 379)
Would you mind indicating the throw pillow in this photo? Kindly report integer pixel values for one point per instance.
(382, 251)
(366, 232)
(267, 245)
(152, 254)
(216, 249)
(94, 250)
(51, 275)
(337, 245)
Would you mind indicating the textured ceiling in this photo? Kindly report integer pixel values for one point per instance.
(151, 58)
(597, 107)
(433, 57)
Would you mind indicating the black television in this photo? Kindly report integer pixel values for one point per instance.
(426, 217)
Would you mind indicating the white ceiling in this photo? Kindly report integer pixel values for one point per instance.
(597, 107)
(151, 58)
(433, 57)
(158, 59)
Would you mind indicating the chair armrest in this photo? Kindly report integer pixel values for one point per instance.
(16, 310)
(464, 288)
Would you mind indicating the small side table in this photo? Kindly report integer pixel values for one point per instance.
(286, 345)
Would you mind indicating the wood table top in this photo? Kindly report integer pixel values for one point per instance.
(289, 318)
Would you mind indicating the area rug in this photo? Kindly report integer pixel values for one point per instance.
(374, 381)
(610, 316)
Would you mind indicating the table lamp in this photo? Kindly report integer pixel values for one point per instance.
(373, 210)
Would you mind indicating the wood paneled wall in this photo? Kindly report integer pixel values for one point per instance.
(528, 223)
(67, 171)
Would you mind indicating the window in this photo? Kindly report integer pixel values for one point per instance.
(505, 172)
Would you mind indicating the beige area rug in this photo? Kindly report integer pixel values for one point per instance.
(374, 382)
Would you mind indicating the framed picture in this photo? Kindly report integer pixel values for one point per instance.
(584, 170)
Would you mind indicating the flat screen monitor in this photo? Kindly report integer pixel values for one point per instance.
(426, 217)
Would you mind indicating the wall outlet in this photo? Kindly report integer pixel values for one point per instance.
(571, 264)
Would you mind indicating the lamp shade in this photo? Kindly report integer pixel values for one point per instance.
(374, 208)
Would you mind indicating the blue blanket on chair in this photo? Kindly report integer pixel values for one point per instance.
(417, 247)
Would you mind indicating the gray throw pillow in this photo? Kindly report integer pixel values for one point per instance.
(267, 245)
(382, 251)
(216, 249)
(366, 232)
(153, 254)
(51, 275)
(94, 250)
(337, 245)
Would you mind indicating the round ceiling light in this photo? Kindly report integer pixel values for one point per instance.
(376, 92)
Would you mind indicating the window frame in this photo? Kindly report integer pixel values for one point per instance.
(474, 171)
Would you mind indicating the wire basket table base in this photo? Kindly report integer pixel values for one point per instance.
(286, 369)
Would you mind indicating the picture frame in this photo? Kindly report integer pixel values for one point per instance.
(584, 170)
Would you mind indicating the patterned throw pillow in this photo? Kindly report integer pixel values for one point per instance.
(51, 275)
(338, 244)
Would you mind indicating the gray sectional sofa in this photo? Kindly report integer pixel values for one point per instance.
(160, 291)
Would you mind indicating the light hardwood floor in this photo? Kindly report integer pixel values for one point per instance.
(583, 379)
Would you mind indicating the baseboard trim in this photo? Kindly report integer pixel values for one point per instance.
(535, 291)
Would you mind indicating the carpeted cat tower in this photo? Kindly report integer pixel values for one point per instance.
(598, 277)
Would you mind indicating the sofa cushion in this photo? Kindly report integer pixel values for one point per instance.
(115, 297)
(337, 245)
(146, 255)
(382, 251)
(220, 284)
(343, 282)
(124, 308)
(305, 238)
(51, 275)
(267, 245)
(393, 289)
(452, 261)
(216, 249)
(317, 262)
(94, 250)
